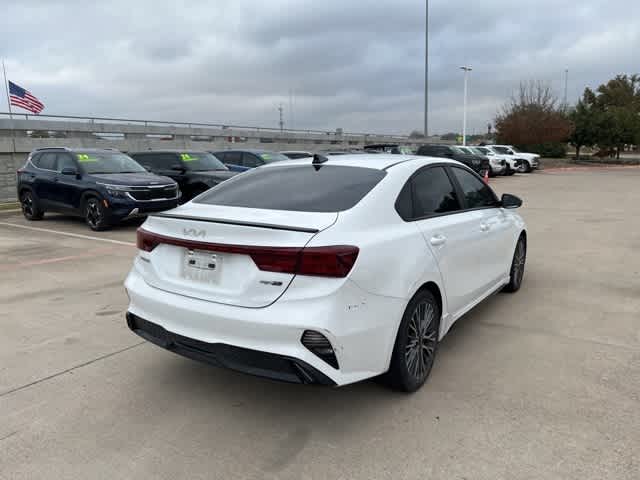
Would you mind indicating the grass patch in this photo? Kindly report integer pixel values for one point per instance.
(9, 205)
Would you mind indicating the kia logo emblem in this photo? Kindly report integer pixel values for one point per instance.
(192, 232)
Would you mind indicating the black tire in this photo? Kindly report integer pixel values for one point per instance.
(516, 273)
(95, 214)
(30, 206)
(416, 343)
(527, 166)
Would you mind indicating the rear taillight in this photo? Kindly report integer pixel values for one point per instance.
(328, 261)
(332, 261)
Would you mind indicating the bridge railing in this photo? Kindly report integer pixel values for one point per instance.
(219, 126)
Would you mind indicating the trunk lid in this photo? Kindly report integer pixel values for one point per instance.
(205, 251)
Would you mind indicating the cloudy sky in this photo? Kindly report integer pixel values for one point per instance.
(355, 64)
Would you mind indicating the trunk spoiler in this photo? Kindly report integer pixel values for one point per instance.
(236, 222)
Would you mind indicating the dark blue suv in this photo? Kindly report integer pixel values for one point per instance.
(103, 186)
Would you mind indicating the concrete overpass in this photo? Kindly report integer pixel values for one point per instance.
(23, 133)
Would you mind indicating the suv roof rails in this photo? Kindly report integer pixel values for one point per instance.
(52, 148)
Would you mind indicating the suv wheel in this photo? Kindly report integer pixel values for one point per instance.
(30, 207)
(526, 166)
(416, 343)
(95, 214)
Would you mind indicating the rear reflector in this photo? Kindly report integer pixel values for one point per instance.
(332, 261)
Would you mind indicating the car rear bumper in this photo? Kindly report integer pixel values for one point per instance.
(253, 362)
(360, 326)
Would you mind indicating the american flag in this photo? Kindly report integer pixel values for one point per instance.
(19, 97)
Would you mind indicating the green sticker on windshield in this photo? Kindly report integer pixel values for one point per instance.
(185, 157)
(265, 156)
(83, 157)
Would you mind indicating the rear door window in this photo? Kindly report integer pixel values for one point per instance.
(433, 193)
(300, 188)
(46, 161)
(161, 161)
(250, 160)
(234, 158)
(65, 161)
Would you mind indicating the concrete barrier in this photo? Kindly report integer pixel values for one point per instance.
(24, 133)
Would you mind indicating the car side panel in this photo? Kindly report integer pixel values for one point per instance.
(393, 263)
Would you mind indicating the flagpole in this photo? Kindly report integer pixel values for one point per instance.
(6, 87)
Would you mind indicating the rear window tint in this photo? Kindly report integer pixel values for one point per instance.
(330, 188)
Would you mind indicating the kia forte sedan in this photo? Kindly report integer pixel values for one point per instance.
(326, 271)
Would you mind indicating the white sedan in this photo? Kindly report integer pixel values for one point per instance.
(326, 271)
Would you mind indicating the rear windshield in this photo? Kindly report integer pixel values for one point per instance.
(300, 188)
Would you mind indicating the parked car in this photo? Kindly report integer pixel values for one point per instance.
(513, 165)
(326, 271)
(499, 166)
(103, 186)
(475, 162)
(333, 153)
(295, 154)
(530, 161)
(194, 171)
(388, 148)
(242, 160)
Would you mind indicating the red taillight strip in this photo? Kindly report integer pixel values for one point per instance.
(332, 261)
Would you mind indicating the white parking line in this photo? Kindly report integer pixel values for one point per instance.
(68, 234)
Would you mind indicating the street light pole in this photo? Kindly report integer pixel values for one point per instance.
(426, 70)
(566, 84)
(466, 70)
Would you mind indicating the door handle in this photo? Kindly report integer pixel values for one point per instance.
(484, 227)
(438, 240)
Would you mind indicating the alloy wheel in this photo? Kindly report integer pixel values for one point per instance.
(421, 340)
(93, 213)
(27, 204)
(518, 262)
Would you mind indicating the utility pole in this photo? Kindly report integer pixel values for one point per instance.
(426, 70)
(291, 109)
(466, 71)
(281, 121)
(566, 84)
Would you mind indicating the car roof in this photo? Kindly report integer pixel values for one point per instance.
(379, 161)
(73, 150)
(168, 150)
(250, 150)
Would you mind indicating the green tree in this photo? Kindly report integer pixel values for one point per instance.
(586, 121)
(617, 107)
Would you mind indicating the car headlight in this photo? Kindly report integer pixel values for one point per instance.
(116, 191)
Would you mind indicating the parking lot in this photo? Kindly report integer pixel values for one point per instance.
(541, 384)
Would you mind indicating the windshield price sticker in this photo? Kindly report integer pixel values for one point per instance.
(185, 157)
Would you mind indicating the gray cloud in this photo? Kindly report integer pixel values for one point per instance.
(357, 64)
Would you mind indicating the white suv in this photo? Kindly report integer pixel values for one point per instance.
(513, 164)
(530, 161)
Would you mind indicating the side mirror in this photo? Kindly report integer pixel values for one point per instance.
(510, 201)
(69, 171)
(178, 168)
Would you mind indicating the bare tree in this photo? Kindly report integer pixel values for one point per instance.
(532, 116)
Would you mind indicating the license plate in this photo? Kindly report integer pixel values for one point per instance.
(201, 266)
